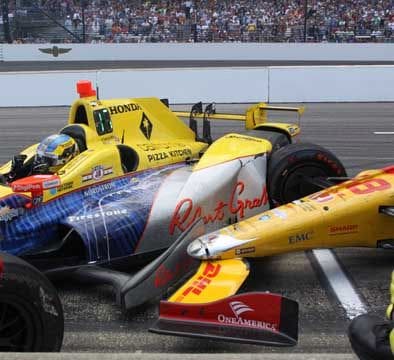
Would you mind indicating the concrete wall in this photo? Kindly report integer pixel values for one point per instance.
(331, 84)
(202, 51)
(226, 85)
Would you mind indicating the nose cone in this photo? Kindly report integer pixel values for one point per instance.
(212, 246)
(197, 249)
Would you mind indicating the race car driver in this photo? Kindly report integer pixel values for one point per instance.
(372, 337)
(52, 153)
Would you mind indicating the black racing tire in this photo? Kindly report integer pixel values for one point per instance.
(31, 315)
(369, 336)
(277, 139)
(290, 165)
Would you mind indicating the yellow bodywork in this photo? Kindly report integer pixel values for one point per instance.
(141, 128)
(213, 280)
(341, 216)
(232, 146)
(351, 214)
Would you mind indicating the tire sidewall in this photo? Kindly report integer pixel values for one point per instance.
(27, 288)
(289, 158)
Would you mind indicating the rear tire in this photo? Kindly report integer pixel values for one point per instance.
(31, 315)
(290, 165)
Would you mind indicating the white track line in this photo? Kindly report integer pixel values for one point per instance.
(383, 132)
(340, 284)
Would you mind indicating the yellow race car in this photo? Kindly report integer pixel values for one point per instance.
(126, 180)
(356, 212)
(124, 171)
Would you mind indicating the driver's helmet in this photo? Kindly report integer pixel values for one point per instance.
(54, 152)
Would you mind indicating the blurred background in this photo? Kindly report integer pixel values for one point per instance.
(135, 21)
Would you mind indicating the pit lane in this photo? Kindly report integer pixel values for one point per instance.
(94, 323)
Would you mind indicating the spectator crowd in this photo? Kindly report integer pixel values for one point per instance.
(225, 20)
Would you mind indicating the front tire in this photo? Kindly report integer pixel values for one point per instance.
(31, 315)
(291, 169)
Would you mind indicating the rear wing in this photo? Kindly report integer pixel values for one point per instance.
(255, 116)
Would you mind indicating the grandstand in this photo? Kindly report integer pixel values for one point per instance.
(110, 21)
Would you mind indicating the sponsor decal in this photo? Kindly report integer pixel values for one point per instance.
(7, 213)
(343, 229)
(306, 206)
(238, 307)
(264, 217)
(368, 186)
(25, 187)
(160, 146)
(197, 287)
(55, 51)
(322, 197)
(50, 183)
(65, 186)
(157, 156)
(98, 172)
(280, 214)
(186, 212)
(164, 275)
(123, 108)
(180, 152)
(96, 215)
(171, 153)
(240, 137)
(62, 187)
(293, 239)
(98, 189)
(244, 251)
(110, 139)
(331, 163)
(146, 126)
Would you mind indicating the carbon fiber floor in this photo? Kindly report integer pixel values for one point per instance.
(95, 323)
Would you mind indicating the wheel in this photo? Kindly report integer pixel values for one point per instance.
(31, 315)
(278, 140)
(369, 336)
(291, 169)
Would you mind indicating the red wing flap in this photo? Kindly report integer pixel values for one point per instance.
(255, 318)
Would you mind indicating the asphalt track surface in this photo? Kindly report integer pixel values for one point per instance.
(94, 323)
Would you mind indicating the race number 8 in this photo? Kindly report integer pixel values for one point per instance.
(369, 186)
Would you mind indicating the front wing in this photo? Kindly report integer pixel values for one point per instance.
(206, 307)
(254, 318)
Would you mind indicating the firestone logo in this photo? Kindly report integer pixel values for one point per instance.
(238, 308)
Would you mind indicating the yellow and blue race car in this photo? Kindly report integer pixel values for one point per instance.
(127, 177)
(127, 180)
